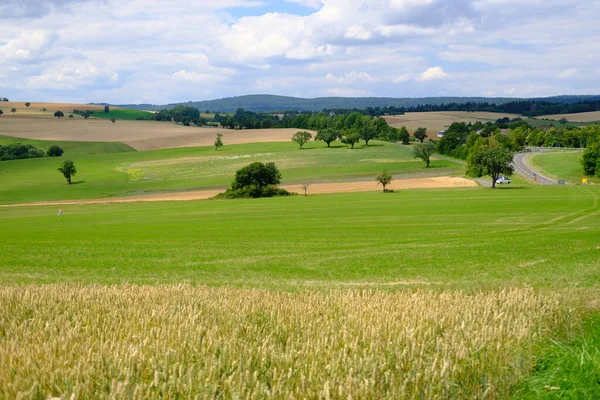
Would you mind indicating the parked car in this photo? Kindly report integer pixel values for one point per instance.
(502, 179)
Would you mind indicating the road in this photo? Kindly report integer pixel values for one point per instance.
(522, 168)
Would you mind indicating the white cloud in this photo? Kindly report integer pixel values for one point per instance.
(346, 92)
(567, 73)
(351, 78)
(432, 73)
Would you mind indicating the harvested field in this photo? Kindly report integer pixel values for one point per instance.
(438, 120)
(181, 341)
(51, 107)
(141, 135)
(593, 116)
(315, 188)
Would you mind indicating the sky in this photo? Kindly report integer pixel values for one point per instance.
(159, 52)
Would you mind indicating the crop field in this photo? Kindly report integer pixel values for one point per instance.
(439, 120)
(36, 107)
(593, 116)
(562, 165)
(131, 173)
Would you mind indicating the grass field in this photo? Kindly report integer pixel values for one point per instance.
(117, 174)
(440, 120)
(122, 114)
(562, 165)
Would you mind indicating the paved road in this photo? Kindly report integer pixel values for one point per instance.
(522, 168)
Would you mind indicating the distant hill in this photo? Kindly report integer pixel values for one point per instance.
(264, 102)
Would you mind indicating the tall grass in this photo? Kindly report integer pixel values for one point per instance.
(76, 341)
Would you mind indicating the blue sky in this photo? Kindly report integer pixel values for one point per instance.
(143, 51)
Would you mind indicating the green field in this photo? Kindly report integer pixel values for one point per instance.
(467, 238)
(122, 114)
(562, 165)
(117, 174)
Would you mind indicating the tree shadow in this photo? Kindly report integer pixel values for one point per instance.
(512, 187)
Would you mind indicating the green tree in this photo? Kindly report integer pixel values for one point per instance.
(351, 137)
(424, 152)
(68, 170)
(327, 135)
(106, 109)
(257, 174)
(13, 110)
(1, 112)
(369, 132)
(27, 104)
(455, 136)
(301, 137)
(591, 159)
(420, 134)
(113, 120)
(59, 114)
(403, 135)
(218, 141)
(55, 151)
(487, 157)
(384, 179)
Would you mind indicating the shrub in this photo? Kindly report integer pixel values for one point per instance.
(18, 151)
(55, 151)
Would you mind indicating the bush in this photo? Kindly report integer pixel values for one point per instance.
(18, 151)
(55, 151)
(254, 192)
(254, 181)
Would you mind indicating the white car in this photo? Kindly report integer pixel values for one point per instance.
(502, 179)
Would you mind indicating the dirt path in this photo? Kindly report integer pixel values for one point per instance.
(315, 188)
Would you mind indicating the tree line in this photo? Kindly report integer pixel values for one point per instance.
(18, 151)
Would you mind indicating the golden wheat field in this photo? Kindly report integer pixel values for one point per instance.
(141, 135)
(438, 120)
(593, 116)
(74, 341)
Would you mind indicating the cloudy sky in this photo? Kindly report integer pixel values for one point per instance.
(142, 51)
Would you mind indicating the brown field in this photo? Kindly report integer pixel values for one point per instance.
(438, 120)
(141, 135)
(38, 106)
(593, 116)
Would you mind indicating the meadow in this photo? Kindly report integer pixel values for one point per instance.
(131, 173)
(562, 165)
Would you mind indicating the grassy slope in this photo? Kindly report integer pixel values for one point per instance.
(117, 174)
(123, 114)
(565, 166)
(469, 237)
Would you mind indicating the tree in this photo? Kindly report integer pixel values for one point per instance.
(403, 135)
(113, 120)
(487, 157)
(59, 114)
(55, 151)
(384, 179)
(257, 174)
(351, 137)
(424, 152)
(327, 135)
(218, 141)
(71, 116)
(13, 110)
(367, 133)
(27, 104)
(301, 138)
(591, 159)
(305, 186)
(106, 109)
(1, 112)
(44, 109)
(68, 170)
(420, 134)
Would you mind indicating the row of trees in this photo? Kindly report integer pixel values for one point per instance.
(591, 157)
(18, 151)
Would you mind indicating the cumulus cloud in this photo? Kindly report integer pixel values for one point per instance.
(432, 73)
(181, 50)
